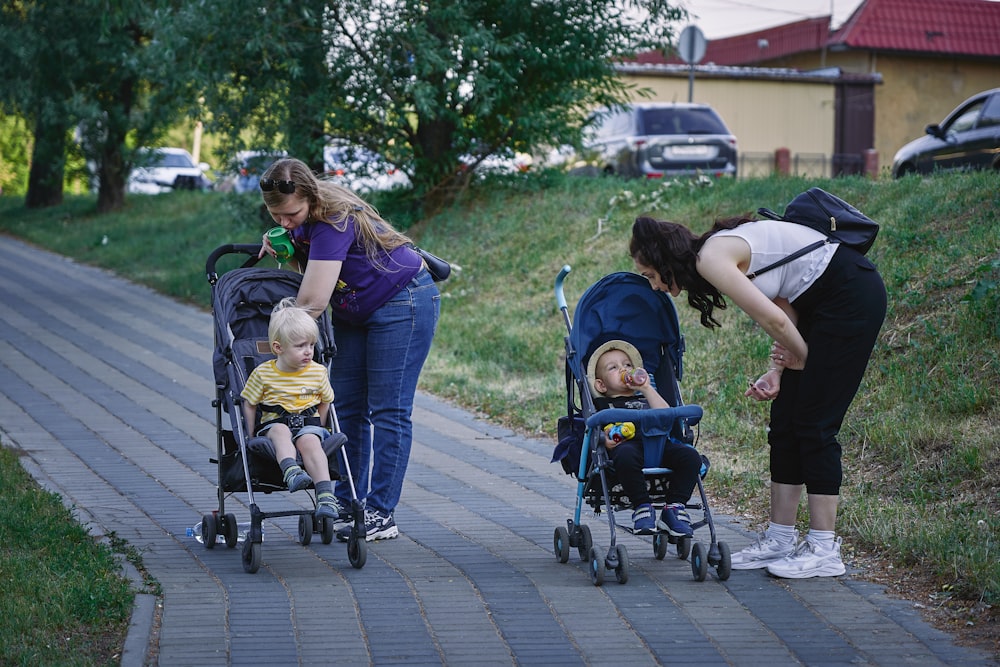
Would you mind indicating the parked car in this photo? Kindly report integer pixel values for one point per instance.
(502, 162)
(361, 170)
(249, 167)
(160, 170)
(968, 138)
(657, 140)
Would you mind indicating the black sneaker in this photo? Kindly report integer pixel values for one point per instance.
(378, 526)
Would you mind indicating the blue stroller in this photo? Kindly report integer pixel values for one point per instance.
(242, 301)
(623, 305)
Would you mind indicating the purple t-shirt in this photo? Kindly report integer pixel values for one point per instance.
(362, 287)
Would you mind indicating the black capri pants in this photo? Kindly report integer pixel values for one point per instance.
(839, 317)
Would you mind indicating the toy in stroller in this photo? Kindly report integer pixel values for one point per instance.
(242, 301)
(622, 305)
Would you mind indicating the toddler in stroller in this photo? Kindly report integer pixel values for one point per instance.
(262, 342)
(294, 395)
(616, 376)
(621, 325)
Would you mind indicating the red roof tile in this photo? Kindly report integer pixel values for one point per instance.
(955, 27)
(959, 27)
(753, 47)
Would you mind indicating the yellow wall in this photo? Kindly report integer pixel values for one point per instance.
(764, 115)
(915, 91)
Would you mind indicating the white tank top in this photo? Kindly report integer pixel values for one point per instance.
(771, 240)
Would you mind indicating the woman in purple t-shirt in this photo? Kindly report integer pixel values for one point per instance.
(385, 309)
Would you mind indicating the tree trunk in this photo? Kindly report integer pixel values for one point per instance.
(48, 164)
(111, 172)
(437, 180)
(307, 109)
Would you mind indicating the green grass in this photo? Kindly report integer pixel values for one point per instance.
(922, 467)
(63, 600)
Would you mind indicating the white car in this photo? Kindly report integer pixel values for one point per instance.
(159, 170)
(499, 163)
(361, 170)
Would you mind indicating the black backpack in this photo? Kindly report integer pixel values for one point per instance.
(829, 215)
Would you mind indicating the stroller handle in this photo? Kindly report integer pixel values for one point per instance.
(251, 249)
(560, 296)
(659, 419)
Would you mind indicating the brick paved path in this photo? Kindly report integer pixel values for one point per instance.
(106, 388)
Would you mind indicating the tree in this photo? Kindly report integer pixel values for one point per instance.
(430, 84)
(438, 82)
(79, 70)
(38, 88)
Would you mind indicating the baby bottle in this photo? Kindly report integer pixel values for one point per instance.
(634, 376)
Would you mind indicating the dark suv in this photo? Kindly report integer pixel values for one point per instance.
(969, 138)
(657, 140)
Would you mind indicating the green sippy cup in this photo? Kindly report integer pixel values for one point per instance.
(281, 241)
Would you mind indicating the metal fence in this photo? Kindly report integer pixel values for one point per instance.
(811, 165)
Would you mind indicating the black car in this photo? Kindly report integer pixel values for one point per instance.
(657, 140)
(969, 138)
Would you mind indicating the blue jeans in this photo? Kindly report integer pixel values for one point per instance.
(374, 379)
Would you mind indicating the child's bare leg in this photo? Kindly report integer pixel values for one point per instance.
(295, 477)
(313, 457)
(315, 461)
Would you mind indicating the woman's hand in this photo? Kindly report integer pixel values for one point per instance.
(766, 388)
(780, 356)
(266, 248)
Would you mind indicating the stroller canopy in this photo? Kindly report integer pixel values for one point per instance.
(622, 305)
(242, 302)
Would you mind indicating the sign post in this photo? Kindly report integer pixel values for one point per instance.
(691, 48)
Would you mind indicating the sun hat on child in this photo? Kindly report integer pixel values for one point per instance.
(627, 348)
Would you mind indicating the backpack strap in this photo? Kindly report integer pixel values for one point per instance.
(785, 260)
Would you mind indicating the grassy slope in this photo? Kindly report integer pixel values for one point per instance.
(921, 464)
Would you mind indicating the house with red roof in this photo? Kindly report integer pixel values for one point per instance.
(922, 57)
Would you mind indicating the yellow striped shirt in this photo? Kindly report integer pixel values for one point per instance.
(294, 392)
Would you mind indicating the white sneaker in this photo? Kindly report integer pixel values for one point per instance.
(809, 560)
(763, 552)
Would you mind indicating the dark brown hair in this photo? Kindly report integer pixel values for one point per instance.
(671, 249)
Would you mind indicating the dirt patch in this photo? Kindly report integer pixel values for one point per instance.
(972, 624)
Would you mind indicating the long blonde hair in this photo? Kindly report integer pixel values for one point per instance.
(334, 204)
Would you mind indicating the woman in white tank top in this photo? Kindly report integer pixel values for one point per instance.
(823, 312)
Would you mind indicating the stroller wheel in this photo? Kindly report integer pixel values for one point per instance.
(327, 530)
(699, 562)
(231, 530)
(584, 541)
(725, 566)
(305, 529)
(684, 547)
(560, 544)
(251, 556)
(209, 530)
(357, 551)
(660, 543)
(621, 572)
(596, 567)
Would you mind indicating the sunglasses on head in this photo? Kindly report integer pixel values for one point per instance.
(284, 187)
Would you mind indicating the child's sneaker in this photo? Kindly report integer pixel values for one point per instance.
(327, 507)
(764, 551)
(642, 520)
(809, 560)
(297, 479)
(378, 526)
(675, 520)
